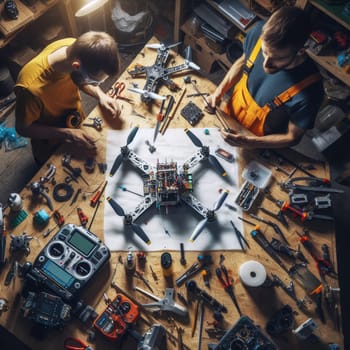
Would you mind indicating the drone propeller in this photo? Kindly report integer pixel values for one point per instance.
(147, 94)
(136, 228)
(212, 159)
(162, 46)
(120, 157)
(210, 215)
(192, 65)
(188, 59)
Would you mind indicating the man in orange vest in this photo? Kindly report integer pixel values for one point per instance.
(277, 89)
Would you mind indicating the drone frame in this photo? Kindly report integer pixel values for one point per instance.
(185, 195)
(158, 73)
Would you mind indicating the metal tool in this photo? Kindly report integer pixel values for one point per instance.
(201, 321)
(96, 123)
(171, 115)
(160, 118)
(74, 172)
(166, 304)
(275, 227)
(226, 281)
(194, 269)
(265, 244)
(210, 109)
(138, 274)
(240, 237)
(301, 303)
(72, 343)
(116, 92)
(318, 185)
(278, 216)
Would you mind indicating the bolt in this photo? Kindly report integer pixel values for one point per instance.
(182, 252)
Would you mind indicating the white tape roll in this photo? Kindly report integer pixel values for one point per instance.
(252, 274)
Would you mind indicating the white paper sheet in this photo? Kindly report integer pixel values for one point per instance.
(167, 227)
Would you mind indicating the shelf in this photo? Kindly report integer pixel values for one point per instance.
(203, 54)
(215, 6)
(29, 14)
(333, 11)
(330, 64)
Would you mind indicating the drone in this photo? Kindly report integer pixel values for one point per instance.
(158, 73)
(167, 184)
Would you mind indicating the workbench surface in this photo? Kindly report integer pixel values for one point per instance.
(259, 304)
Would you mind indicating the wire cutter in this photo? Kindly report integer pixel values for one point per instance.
(116, 91)
(72, 343)
(227, 284)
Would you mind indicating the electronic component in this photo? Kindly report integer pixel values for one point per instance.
(68, 262)
(153, 339)
(244, 334)
(46, 309)
(222, 153)
(116, 318)
(192, 113)
(305, 330)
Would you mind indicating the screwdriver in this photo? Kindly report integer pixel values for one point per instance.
(82, 217)
(96, 197)
(122, 187)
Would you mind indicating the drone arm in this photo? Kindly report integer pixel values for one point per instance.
(146, 203)
(139, 163)
(195, 204)
(137, 70)
(175, 69)
(194, 160)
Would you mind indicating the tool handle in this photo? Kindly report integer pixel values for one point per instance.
(82, 217)
(286, 206)
(96, 197)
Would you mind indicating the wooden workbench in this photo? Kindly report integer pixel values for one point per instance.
(259, 304)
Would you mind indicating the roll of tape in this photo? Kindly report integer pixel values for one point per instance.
(252, 274)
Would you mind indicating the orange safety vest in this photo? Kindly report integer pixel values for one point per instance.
(243, 106)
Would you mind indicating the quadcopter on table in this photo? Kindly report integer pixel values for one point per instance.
(158, 73)
(167, 184)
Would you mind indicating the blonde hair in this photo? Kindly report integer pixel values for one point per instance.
(289, 26)
(97, 52)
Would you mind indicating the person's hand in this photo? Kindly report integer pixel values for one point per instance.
(214, 99)
(110, 104)
(235, 138)
(81, 139)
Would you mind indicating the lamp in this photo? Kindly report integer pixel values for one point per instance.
(87, 10)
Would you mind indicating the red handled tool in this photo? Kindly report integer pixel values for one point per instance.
(96, 197)
(227, 284)
(82, 217)
(72, 343)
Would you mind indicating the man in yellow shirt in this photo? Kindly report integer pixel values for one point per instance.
(48, 101)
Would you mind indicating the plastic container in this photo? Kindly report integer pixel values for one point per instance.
(257, 178)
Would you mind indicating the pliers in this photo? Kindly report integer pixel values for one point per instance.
(227, 284)
(72, 343)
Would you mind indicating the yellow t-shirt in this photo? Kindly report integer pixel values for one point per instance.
(44, 95)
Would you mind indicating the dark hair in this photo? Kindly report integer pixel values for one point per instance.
(97, 52)
(289, 26)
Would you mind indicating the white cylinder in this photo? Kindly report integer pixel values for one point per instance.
(252, 274)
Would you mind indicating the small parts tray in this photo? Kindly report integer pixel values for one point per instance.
(257, 177)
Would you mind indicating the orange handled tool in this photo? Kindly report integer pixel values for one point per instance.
(82, 217)
(96, 197)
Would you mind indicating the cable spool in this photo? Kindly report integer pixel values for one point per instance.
(73, 120)
(253, 274)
